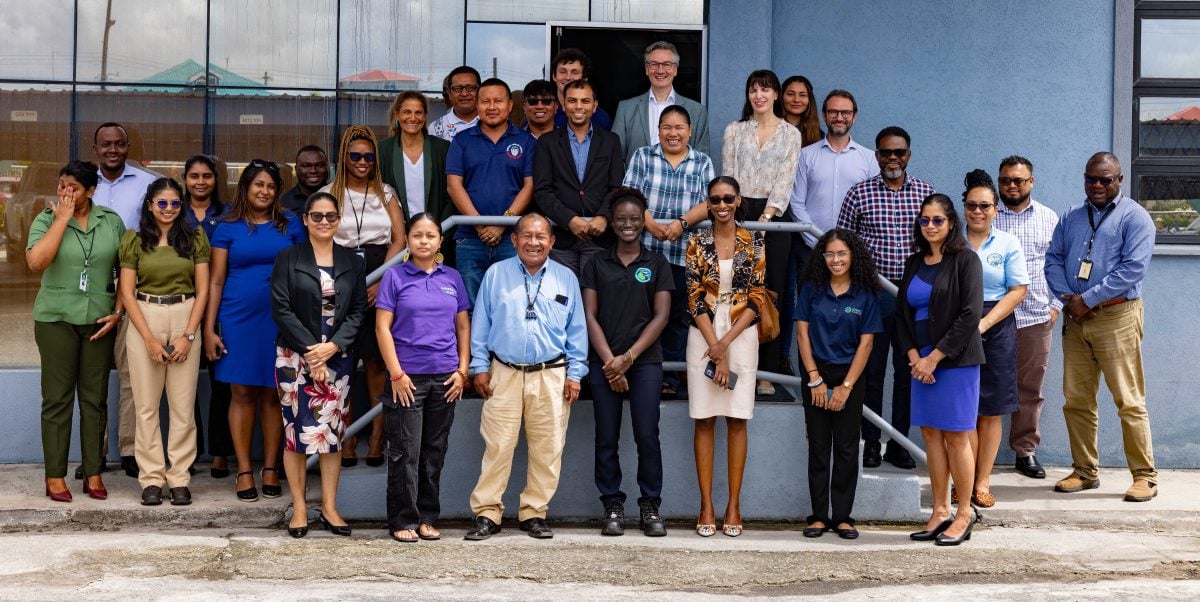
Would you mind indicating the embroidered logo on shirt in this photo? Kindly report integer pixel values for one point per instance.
(449, 290)
(642, 275)
(515, 151)
(995, 260)
(852, 310)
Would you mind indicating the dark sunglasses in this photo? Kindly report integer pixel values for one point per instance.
(728, 199)
(162, 204)
(1090, 180)
(885, 153)
(356, 157)
(938, 221)
(533, 102)
(1007, 181)
(973, 206)
(263, 164)
(318, 217)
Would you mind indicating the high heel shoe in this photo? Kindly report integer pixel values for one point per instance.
(945, 540)
(61, 496)
(96, 493)
(298, 532)
(270, 491)
(246, 495)
(932, 534)
(343, 530)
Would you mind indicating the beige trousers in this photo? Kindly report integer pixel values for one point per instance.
(537, 397)
(1110, 343)
(166, 322)
(126, 415)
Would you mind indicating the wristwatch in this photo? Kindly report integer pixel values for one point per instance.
(191, 336)
(684, 223)
(848, 384)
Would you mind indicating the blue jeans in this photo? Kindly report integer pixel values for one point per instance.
(645, 385)
(474, 257)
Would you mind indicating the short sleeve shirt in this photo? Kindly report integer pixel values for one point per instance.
(1003, 264)
(424, 307)
(162, 271)
(837, 322)
(66, 295)
(492, 173)
(626, 298)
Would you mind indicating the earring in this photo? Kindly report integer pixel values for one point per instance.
(439, 258)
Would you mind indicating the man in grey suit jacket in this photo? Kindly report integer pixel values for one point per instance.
(637, 118)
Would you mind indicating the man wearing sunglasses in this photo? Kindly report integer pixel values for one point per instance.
(461, 90)
(539, 104)
(637, 118)
(881, 209)
(1096, 262)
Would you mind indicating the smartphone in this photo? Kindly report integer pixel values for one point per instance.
(711, 371)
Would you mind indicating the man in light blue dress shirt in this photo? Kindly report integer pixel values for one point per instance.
(529, 354)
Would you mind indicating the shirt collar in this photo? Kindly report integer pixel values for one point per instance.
(658, 150)
(851, 145)
(524, 272)
(125, 173)
(586, 137)
(668, 102)
(611, 255)
(412, 269)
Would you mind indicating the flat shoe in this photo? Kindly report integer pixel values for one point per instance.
(706, 530)
(983, 499)
(764, 391)
(732, 530)
(814, 532)
(850, 533)
(374, 460)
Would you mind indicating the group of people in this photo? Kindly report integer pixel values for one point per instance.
(606, 275)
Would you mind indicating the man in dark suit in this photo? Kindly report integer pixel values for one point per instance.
(637, 118)
(574, 170)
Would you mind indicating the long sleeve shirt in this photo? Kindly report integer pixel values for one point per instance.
(823, 177)
(499, 325)
(767, 171)
(1033, 226)
(1120, 253)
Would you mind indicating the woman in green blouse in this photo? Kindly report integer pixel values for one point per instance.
(74, 243)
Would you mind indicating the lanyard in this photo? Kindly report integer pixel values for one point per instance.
(87, 253)
(1096, 225)
(530, 314)
(358, 217)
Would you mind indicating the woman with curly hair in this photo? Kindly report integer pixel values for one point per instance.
(837, 316)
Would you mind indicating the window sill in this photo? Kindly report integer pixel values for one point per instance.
(1182, 250)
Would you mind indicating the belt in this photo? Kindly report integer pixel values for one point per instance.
(164, 299)
(1112, 302)
(557, 362)
(727, 297)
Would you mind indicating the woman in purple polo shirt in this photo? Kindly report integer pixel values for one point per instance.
(426, 348)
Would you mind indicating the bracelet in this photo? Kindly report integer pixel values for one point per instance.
(462, 372)
(816, 383)
(396, 378)
(630, 354)
(849, 385)
(813, 370)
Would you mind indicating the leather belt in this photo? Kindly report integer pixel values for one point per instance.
(164, 299)
(557, 362)
(1112, 302)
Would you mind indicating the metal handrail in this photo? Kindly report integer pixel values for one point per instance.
(791, 382)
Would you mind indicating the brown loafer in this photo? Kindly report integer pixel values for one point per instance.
(1141, 491)
(1075, 483)
(983, 499)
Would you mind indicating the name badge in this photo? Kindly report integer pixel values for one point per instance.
(1085, 269)
(362, 254)
(83, 280)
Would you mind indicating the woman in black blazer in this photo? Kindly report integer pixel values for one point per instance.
(940, 303)
(318, 299)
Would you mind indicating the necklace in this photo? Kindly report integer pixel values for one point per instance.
(530, 312)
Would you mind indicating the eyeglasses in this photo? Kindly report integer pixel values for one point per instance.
(973, 206)
(728, 199)
(655, 66)
(1006, 181)
(470, 88)
(356, 157)
(533, 102)
(163, 204)
(318, 217)
(264, 164)
(838, 255)
(1090, 180)
(937, 221)
(842, 114)
(885, 153)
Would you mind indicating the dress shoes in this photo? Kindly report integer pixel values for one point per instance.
(1030, 467)
(613, 522)
(537, 528)
(343, 530)
(945, 540)
(814, 532)
(871, 457)
(483, 528)
(181, 496)
(847, 533)
(61, 496)
(129, 465)
(96, 493)
(79, 470)
(298, 532)
(932, 534)
(270, 491)
(652, 522)
(899, 457)
(249, 494)
(152, 496)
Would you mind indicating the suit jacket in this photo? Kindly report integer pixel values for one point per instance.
(391, 161)
(296, 297)
(556, 188)
(632, 123)
(955, 307)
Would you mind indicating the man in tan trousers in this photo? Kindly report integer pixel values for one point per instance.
(529, 354)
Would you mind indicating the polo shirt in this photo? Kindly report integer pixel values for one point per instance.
(450, 124)
(836, 322)
(492, 173)
(125, 194)
(1003, 264)
(162, 271)
(60, 299)
(212, 214)
(625, 298)
(424, 307)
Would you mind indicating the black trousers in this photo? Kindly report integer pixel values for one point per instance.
(675, 333)
(220, 444)
(832, 434)
(645, 389)
(885, 342)
(416, 438)
(778, 248)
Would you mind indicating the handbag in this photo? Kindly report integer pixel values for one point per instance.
(768, 317)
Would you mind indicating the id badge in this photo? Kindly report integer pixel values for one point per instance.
(362, 253)
(1085, 269)
(83, 281)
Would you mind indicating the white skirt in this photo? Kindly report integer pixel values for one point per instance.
(705, 399)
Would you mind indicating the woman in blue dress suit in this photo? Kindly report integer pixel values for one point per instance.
(239, 334)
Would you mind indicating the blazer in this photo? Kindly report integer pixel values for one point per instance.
(955, 308)
(632, 123)
(704, 275)
(556, 188)
(296, 297)
(391, 162)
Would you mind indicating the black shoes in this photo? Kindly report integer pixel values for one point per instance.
(374, 461)
(933, 534)
(152, 496)
(343, 530)
(537, 528)
(298, 532)
(899, 457)
(271, 491)
(482, 529)
(814, 532)
(847, 533)
(652, 522)
(871, 458)
(613, 522)
(246, 495)
(945, 540)
(181, 496)
(129, 465)
(1029, 467)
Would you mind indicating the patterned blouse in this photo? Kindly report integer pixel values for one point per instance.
(704, 276)
(767, 172)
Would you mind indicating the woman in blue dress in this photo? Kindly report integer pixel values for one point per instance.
(939, 305)
(239, 334)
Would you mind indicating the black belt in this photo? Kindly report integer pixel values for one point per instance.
(557, 362)
(164, 299)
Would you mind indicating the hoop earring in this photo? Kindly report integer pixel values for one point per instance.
(439, 258)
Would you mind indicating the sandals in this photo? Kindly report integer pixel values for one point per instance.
(270, 491)
(246, 495)
(427, 532)
(405, 539)
(706, 530)
(732, 530)
(671, 392)
(766, 390)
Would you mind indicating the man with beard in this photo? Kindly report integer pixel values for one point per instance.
(312, 170)
(461, 93)
(1033, 224)
(882, 210)
(538, 100)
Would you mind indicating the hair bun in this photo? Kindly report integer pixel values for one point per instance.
(978, 178)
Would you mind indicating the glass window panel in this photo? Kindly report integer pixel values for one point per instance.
(529, 11)
(514, 53)
(1169, 48)
(272, 127)
(280, 43)
(1168, 127)
(687, 12)
(165, 128)
(153, 41)
(388, 45)
(1173, 201)
(37, 43)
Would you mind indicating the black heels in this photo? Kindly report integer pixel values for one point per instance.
(247, 495)
(298, 532)
(931, 535)
(343, 530)
(945, 540)
(270, 491)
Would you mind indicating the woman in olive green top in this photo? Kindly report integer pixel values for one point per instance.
(160, 266)
(74, 242)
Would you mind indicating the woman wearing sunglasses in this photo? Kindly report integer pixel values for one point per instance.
(372, 225)
(938, 306)
(318, 299)
(239, 336)
(164, 287)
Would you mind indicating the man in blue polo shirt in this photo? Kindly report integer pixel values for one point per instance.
(489, 171)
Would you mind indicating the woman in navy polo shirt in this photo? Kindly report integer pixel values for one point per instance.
(627, 300)
(837, 316)
(426, 348)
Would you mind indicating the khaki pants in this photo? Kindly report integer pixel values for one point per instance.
(1110, 343)
(126, 415)
(166, 322)
(1033, 353)
(538, 398)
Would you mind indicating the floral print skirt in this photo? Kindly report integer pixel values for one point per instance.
(314, 413)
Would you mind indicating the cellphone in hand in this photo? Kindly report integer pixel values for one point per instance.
(711, 372)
